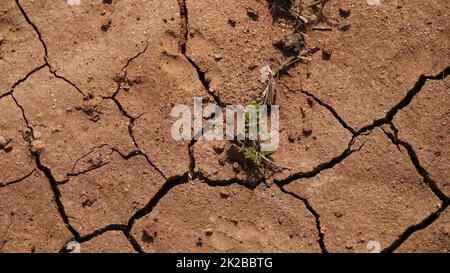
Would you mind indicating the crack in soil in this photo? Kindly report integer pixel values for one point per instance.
(44, 45)
(415, 228)
(225, 183)
(25, 15)
(367, 129)
(184, 29)
(393, 137)
(416, 162)
(57, 194)
(324, 166)
(405, 101)
(5, 184)
(179, 180)
(131, 119)
(331, 110)
(316, 216)
(25, 78)
(23, 114)
(326, 106)
(93, 168)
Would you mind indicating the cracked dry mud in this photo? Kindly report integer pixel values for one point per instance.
(86, 152)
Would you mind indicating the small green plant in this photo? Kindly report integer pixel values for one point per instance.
(247, 132)
(251, 148)
(253, 154)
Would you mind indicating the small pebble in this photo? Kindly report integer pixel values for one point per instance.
(224, 195)
(3, 141)
(374, 2)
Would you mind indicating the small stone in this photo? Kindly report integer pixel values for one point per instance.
(344, 28)
(209, 232)
(37, 147)
(338, 214)
(73, 2)
(236, 167)
(3, 142)
(218, 57)
(374, 2)
(73, 247)
(96, 160)
(224, 195)
(37, 134)
(349, 247)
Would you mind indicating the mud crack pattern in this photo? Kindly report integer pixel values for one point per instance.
(86, 152)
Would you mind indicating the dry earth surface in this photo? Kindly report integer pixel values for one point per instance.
(86, 152)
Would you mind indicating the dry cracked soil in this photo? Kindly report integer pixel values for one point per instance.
(86, 152)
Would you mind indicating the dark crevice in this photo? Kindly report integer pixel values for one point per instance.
(332, 111)
(131, 121)
(123, 111)
(225, 183)
(416, 162)
(179, 180)
(129, 61)
(321, 240)
(147, 158)
(205, 82)
(53, 72)
(25, 15)
(73, 174)
(4, 95)
(129, 155)
(124, 70)
(53, 183)
(87, 154)
(162, 192)
(405, 101)
(192, 158)
(134, 243)
(184, 29)
(148, 208)
(100, 232)
(27, 76)
(318, 169)
(414, 228)
(57, 196)
(36, 29)
(5, 184)
(23, 114)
